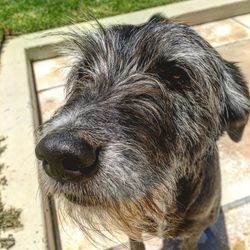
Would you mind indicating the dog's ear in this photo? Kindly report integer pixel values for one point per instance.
(236, 102)
(156, 18)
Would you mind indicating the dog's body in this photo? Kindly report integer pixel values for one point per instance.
(134, 147)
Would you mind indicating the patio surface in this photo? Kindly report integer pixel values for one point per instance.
(231, 37)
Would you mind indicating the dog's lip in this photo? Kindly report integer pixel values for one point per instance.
(83, 201)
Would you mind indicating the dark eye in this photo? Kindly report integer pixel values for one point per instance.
(172, 74)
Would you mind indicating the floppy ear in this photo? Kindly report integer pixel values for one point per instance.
(237, 102)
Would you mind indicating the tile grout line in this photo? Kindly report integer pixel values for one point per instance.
(241, 23)
(232, 42)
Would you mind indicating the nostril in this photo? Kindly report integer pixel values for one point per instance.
(47, 168)
(84, 164)
(71, 164)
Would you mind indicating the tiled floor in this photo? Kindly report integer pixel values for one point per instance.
(231, 37)
(223, 32)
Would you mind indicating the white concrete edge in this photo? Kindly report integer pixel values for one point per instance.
(16, 80)
(18, 126)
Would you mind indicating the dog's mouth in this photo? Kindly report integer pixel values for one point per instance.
(83, 200)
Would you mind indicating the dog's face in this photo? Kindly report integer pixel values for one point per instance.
(144, 105)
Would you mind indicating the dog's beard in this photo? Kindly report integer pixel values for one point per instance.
(146, 216)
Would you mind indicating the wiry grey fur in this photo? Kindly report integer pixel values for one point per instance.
(154, 99)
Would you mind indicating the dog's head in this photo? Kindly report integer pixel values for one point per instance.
(144, 104)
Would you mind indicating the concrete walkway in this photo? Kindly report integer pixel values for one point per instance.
(231, 37)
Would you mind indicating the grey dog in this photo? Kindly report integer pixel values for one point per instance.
(134, 147)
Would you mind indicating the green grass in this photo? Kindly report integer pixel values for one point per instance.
(24, 16)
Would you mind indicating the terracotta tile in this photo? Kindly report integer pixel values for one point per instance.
(235, 157)
(50, 100)
(222, 32)
(238, 227)
(240, 53)
(231, 230)
(245, 19)
(51, 72)
(235, 167)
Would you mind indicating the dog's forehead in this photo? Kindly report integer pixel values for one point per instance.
(147, 38)
(123, 44)
(151, 32)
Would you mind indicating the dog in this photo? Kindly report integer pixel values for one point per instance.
(134, 147)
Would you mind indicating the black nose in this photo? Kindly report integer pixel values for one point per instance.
(66, 156)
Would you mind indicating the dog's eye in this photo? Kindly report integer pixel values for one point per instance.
(176, 77)
(172, 74)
